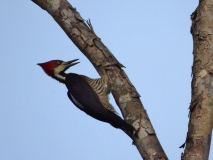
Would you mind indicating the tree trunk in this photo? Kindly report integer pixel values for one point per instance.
(201, 109)
(125, 94)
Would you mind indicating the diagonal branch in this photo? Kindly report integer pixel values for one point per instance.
(125, 94)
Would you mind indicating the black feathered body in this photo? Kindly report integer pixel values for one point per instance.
(87, 99)
(99, 85)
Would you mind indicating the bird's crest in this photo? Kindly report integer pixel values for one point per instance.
(49, 66)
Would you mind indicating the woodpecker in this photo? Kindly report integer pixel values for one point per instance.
(89, 95)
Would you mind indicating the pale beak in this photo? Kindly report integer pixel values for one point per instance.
(71, 63)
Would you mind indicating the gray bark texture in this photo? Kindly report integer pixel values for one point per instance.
(201, 108)
(125, 94)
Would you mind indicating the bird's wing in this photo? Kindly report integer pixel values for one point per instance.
(83, 96)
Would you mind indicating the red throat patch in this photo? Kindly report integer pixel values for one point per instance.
(48, 67)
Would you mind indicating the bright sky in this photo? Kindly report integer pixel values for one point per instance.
(38, 121)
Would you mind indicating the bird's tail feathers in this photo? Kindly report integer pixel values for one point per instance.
(127, 128)
(124, 126)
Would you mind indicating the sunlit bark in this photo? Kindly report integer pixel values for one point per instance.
(201, 108)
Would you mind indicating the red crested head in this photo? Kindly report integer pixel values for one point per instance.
(49, 66)
(54, 67)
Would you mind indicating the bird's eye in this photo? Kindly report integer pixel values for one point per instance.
(58, 62)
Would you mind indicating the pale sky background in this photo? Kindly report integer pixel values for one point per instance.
(38, 121)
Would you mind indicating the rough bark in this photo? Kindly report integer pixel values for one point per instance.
(125, 94)
(201, 107)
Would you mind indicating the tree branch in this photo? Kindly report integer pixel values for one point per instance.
(201, 109)
(125, 94)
